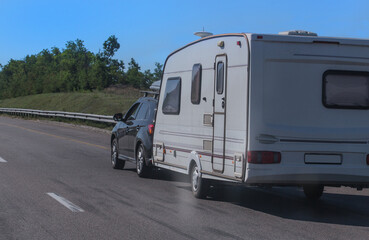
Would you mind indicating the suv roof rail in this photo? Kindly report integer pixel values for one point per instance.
(146, 93)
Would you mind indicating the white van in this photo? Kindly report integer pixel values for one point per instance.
(263, 109)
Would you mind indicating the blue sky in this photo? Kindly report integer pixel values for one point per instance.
(149, 30)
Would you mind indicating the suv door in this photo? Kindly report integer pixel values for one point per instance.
(135, 127)
(123, 131)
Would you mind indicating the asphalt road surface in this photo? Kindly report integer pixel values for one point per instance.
(56, 182)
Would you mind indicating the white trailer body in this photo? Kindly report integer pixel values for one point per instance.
(271, 109)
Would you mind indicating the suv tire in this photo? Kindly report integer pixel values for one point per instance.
(115, 161)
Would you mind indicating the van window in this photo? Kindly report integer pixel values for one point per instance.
(172, 96)
(346, 89)
(196, 84)
(220, 77)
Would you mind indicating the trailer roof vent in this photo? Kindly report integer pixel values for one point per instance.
(299, 33)
(203, 34)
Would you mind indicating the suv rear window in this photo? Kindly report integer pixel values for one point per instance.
(346, 89)
(142, 113)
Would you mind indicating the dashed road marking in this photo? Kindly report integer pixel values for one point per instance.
(71, 206)
(2, 160)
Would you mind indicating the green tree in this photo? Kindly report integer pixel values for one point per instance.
(134, 76)
(158, 71)
(110, 46)
(73, 68)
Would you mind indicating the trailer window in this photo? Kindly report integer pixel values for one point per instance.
(196, 84)
(220, 77)
(172, 96)
(346, 89)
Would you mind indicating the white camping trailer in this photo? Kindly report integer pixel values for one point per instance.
(262, 109)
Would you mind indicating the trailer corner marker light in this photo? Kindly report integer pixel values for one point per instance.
(259, 37)
(221, 44)
(239, 43)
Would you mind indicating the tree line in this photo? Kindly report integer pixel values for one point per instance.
(72, 69)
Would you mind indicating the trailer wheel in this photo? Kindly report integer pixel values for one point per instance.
(199, 185)
(115, 161)
(313, 192)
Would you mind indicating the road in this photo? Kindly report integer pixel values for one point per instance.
(44, 165)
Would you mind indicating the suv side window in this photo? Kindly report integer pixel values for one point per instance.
(131, 114)
(142, 113)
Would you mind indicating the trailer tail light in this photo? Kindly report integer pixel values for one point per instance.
(263, 157)
(367, 159)
(151, 129)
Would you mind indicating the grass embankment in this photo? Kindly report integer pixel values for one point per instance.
(107, 102)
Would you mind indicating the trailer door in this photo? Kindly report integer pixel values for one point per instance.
(219, 113)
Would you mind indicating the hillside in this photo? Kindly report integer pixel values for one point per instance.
(107, 102)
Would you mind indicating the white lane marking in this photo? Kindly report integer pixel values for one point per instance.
(71, 206)
(2, 159)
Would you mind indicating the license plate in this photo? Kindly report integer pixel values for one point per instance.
(323, 158)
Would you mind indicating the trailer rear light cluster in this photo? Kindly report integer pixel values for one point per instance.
(151, 129)
(263, 157)
(367, 159)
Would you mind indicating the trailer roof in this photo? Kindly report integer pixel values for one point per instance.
(307, 39)
(285, 38)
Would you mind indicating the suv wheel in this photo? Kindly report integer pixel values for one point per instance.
(141, 168)
(115, 161)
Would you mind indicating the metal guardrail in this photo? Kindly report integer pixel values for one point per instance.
(71, 115)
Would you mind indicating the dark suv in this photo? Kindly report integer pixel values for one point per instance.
(131, 138)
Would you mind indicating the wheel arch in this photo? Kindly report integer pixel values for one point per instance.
(193, 159)
(138, 143)
(146, 151)
(112, 138)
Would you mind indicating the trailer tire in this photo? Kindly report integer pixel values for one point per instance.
(115, 161)
(313, 192)
(199, 185)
